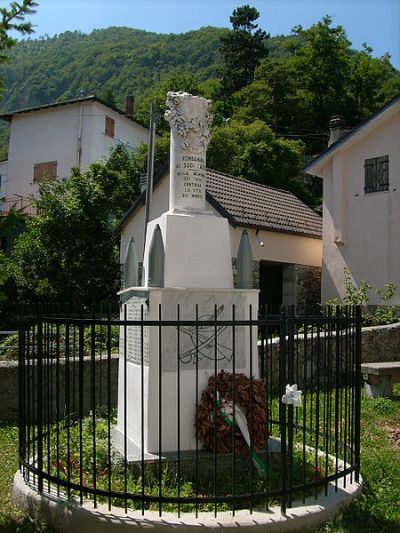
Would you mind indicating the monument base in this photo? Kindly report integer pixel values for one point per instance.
(168, 367)
(197, 250)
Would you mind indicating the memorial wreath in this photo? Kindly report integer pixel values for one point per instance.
(243, 412)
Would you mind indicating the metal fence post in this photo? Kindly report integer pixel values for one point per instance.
(357, 371)
(21, 392)
(39, 388)
(290, 380)
(282, 406)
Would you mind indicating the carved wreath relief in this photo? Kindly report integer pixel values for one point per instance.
(190, 118)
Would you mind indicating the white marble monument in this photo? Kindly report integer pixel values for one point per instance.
(197, 277)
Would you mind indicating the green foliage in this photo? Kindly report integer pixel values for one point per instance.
(68, 252)
(13, 519)
(119, 178)
(242, 49)
(12, 19)
(381, 314)
(370, 77)
(376, 509)
(4, 275)
(117, 61)
(355, 295)
(321, 76)
(293, 91)
(324, 60)
(383, 406)
(174, 82)
(10, 225)
(161, 154)
(252, 151)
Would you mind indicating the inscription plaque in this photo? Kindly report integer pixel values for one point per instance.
(135, 345)
(190, 173)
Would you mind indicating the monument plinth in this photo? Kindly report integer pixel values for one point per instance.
(196, 284)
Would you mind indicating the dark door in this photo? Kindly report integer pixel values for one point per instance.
(271, 286)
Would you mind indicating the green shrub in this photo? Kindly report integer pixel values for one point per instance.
(381, 314)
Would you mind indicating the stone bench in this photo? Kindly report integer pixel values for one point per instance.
(379, 378)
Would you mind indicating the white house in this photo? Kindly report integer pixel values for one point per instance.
(285, 234)
(48, 140)
(361, 210)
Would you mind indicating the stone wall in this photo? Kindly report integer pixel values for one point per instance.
(9, 386)
(308, 288)
(379, 343)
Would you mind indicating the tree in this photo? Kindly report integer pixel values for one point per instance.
(242, 49)
(322, 60)
(174, 82)
(119, 177)
(369, 77)
(10, 226)
(13, 19)
(252, 151)
(68, 252)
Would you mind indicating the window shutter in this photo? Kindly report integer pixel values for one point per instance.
(109, 127)
(42, 171)
(36, 173)
(376, 174)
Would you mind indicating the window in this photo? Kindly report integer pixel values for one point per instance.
(377, 174)
(43, 171)
(109, 127)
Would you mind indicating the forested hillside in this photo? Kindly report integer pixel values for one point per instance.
(117, 60)
(272, 97)
(272, 102)
(113, 61)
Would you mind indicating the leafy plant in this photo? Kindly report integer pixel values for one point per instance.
(381, 314)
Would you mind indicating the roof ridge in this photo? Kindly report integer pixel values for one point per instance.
(350, 133)
(237, 178)
(92, 97)
(40, 106)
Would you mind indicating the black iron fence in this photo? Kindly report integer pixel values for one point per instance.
(204, 420)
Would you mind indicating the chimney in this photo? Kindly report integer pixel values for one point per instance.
(336, 128)
(130, 105)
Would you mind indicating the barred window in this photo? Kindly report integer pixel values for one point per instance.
(376, 174)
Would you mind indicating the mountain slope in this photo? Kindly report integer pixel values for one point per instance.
(117, 60)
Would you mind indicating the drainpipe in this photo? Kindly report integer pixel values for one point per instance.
(79, 141)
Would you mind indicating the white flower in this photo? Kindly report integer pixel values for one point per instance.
(292, 396)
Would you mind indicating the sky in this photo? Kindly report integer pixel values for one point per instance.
(376, 22)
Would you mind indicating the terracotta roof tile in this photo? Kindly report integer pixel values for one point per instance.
(260, 206)
(249, 204)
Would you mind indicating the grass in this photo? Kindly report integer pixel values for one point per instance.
(12, 519)
(377, 510)
(76, 464)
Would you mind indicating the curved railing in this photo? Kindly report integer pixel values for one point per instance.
(76, 410)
